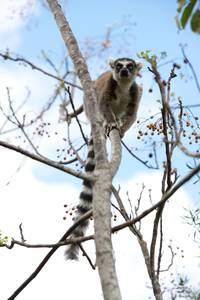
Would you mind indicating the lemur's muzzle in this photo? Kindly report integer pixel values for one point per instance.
(124, 73)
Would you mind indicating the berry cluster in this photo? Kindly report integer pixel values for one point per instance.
(189, 125)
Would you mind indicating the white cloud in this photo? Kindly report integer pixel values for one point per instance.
(14, 15)
(40, 207)
(20, 80)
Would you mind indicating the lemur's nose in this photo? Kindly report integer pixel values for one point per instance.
(124, 72)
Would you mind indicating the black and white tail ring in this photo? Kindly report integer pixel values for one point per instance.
(85, 204)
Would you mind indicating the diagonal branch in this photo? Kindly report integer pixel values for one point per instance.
(43, 160)
(35, 67)
(48, 256)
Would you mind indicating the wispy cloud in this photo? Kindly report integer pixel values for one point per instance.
(14, 15)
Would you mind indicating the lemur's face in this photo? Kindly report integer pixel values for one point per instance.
(125, 69)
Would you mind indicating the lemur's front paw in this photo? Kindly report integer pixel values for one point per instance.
(110, 126)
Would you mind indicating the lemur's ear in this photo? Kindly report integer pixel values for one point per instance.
(139, 65)
(111, 62)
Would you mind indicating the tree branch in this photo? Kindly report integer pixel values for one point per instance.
(43, 160)
(48, 256)
(116, 151)
(34, 67)
(102, 174)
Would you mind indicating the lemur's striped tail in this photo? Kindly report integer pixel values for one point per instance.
(85, 204)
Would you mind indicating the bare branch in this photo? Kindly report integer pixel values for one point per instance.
(191, 67)
(75, 114)
(164, 198)
(19, 124)
(48, 256)
(87, 256)
(43, 160)
(34, 67)
(129, 222)
(21, 233)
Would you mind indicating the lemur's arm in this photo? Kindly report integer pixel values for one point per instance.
(77, 112)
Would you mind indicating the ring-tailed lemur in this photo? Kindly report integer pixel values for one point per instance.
(118, 99)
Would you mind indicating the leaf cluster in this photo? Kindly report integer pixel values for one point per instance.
(146, 55)
(188, 11)
(185, 291)
(3, 239)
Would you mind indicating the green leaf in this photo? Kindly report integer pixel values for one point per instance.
(62, 84)
(187, 12)
(178, 24)
(195, 21)
(181, 3)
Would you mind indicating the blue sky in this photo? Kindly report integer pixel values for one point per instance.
(40, 192)
(154, 29)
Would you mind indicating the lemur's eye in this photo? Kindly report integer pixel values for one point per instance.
(130, 67)
(118, 67)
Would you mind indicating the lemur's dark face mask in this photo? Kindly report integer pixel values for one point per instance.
(124, 70)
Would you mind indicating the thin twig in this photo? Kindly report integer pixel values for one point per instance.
(76, 117)
(19, 124)
(171, 262)
(21, 233)
(160, 248)
(191, 67)
(87, 256)
(136, 157)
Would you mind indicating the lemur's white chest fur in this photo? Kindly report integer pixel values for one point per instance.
(119, 104)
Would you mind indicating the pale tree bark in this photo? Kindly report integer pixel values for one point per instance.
(104, 171)
(102, 220)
